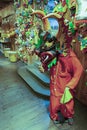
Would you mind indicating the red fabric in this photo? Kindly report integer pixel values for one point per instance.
(68, 109)
(67, 72)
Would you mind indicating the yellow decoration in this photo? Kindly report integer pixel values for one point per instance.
(6, 52)
(13, 56)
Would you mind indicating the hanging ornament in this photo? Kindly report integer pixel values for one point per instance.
(20, 20)
(72, 27)
(25, 3)
(25, 13)
(16, 5)
(27, 33)
(38, 1)
(17, 31)
(30, 2)
(45, 1)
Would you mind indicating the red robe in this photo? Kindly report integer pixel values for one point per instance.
(66, 73)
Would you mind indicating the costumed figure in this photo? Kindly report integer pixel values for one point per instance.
(65, 71)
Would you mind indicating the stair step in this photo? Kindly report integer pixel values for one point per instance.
(44, 77)
(33, 82)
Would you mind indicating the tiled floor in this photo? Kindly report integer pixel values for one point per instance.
(23, 109)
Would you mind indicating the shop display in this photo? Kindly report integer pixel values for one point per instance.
(38, 22)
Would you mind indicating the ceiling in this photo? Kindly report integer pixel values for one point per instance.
(4, 3)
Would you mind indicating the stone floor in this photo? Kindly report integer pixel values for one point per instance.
(23, 109)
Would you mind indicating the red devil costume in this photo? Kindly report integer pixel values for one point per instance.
(66, 73)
